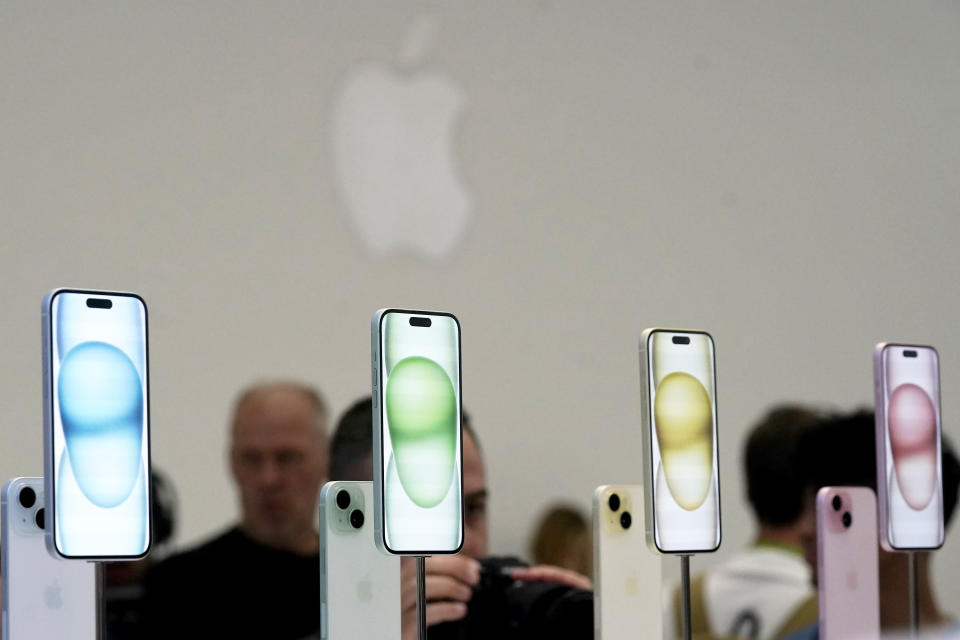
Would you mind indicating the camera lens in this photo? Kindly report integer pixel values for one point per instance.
(28, 497)
(343, 499)
(40, 518)
(625, 520)
(614, 502)
(837, 503)
(847, 519)
(356, 518)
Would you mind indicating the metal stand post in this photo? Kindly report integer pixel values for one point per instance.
(685, 596)
(421, 598)
(913, 593)
(99, 602)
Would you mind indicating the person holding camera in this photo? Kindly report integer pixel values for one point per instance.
(470, 595)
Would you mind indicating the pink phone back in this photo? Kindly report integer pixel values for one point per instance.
(847, 563)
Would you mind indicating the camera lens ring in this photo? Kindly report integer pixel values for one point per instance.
(356, 518)
(613, 502)
(27, 497)
(837, 503)
(343, 499)
(40, 519)
(847, 519)
(626, 520)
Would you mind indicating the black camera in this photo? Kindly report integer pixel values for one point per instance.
(356, 518)
(508, 609)
(28, 497)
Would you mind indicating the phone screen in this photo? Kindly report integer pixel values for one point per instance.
(100, 464)
(910, 492)
(683, 437)
(420, 432)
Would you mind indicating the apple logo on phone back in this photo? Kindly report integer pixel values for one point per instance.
(53, 596)
(393, 152)
(365, 589)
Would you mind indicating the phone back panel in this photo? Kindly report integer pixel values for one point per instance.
(359, 584)
(43, 596)
(627, 589)
(847, 563)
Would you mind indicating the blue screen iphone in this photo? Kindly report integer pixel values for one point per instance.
(96, 424)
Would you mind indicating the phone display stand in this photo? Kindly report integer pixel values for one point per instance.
(99, 603)
(421, 597)
(685, 596)
(913, 594)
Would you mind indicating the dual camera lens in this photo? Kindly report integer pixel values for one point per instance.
(846, 518)
(356, 516)
(614, 503)
(27, 498)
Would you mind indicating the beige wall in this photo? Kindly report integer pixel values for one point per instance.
(782, 174)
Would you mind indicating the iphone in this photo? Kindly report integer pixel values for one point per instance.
(359, 584)
(626, 588)
(43, 596)
(417, 450)
(679, 410)
(847, 564)
(909, 480)
(96, 424)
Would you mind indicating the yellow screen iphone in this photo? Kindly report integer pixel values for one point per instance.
(681, 483)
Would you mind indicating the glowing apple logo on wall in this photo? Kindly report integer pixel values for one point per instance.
(392, 145)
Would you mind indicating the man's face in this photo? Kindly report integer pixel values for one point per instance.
(475, 500)
(279, 460)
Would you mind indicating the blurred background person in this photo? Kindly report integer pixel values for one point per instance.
(562, 539)
(471, 578)
(261, 577)
(840, 451)
(763, 591)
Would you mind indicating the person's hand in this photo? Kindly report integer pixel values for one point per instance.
(549, 573)
(449, 587)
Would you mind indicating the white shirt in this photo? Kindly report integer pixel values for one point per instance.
(752, 594)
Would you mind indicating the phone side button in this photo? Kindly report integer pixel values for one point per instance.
(375, 394)
(323, 620)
